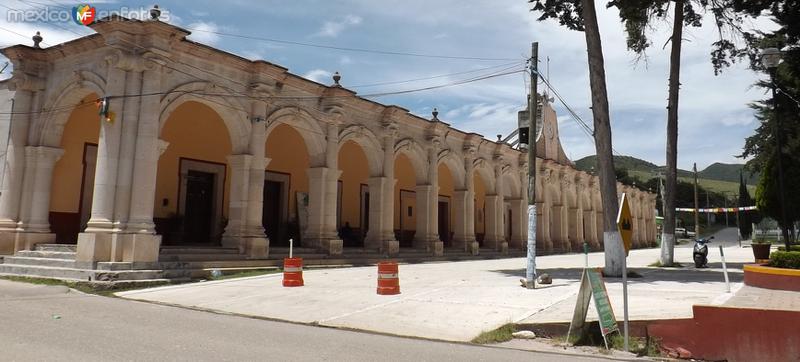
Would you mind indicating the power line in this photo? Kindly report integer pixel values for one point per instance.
(332, 47)
(360, 50)
(433, 77)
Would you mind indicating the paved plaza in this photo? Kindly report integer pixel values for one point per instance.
(458, 300)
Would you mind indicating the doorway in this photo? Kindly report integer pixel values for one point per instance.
(444, 220)
(275, 214)
(199, 206)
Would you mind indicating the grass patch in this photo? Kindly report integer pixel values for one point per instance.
(657, 264)
(244, 274)
(85, 287)
(641, 346)
(502, 334)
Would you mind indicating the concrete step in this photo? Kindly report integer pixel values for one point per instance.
(206, 273)
(199, 257)
(46, 272)
(172, 250)
(55, 262)
(115, 275)
(56, 247)
(46, 254)
(223, 264)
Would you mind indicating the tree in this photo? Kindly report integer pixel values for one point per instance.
(582, 16)
(638, 16)
(760, 147)
(745, 221)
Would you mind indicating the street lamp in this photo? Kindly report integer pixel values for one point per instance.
(771, 57)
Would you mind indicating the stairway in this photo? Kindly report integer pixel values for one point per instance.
(57, 261)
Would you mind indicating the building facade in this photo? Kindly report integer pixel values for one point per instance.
(199, 147)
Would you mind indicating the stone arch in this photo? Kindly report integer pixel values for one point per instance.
(231, 112)
(512, 186)
(306, 125)
(485, 172)
(71, 92)
(195, 173)
(369, 144)
(456, 168)
(414, 152)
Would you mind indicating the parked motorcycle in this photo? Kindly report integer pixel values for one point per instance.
(700, 252)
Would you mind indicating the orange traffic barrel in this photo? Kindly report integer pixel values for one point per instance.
(388, 278)
(292, 272)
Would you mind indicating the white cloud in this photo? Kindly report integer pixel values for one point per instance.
(332, 28)
(319, 76)
(203, 32)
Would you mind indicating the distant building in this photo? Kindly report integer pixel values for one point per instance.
(200, 147)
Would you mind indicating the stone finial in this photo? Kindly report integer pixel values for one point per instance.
(499, 138)
(37, 39)
(155, 13)
(336, 78)
(435, 114)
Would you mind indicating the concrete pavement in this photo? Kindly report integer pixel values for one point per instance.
(458, 300)
(45, 323)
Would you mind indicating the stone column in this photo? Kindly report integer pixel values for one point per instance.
(389, 244)
(15, 164)
(256, 242)
(378, 230)
(460, 225)
(105, 180)
(36, 205)
(519, 213)
(322, 197)
(471, 245)
(427, 235)
(239, 173)
(494, 227)
(500, 208)
(145, 161)
(122, 200)
(560, 244)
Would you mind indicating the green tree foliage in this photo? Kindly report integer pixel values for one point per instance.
(761, 148)
(745, 217)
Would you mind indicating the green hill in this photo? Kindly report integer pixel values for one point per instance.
(717, 177)
(727, 172)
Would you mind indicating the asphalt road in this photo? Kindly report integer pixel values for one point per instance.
(54, 323)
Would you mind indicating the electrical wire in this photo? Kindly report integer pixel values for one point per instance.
(322, 46)
(433, 77)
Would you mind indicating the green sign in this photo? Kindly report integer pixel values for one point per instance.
(592, 287)
(608, 323)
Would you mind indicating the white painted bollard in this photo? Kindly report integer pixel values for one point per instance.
(291, 245)
(725, 271)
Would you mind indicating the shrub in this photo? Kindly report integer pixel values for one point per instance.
(785, 259)
(791, 248)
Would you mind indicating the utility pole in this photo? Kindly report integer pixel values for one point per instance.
(533, 105)
(696, 206)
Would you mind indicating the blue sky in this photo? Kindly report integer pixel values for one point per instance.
(714, 117)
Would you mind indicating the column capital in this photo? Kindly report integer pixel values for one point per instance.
(162, 146)
(43, 153)
(240, 161)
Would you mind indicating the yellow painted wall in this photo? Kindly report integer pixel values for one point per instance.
(83, 126)
(480, 202)
(355, 171)
(406, 180)
(287, 151)
(446, 188)
(193, 131)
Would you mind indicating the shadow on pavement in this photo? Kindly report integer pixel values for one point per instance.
(648, 275)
